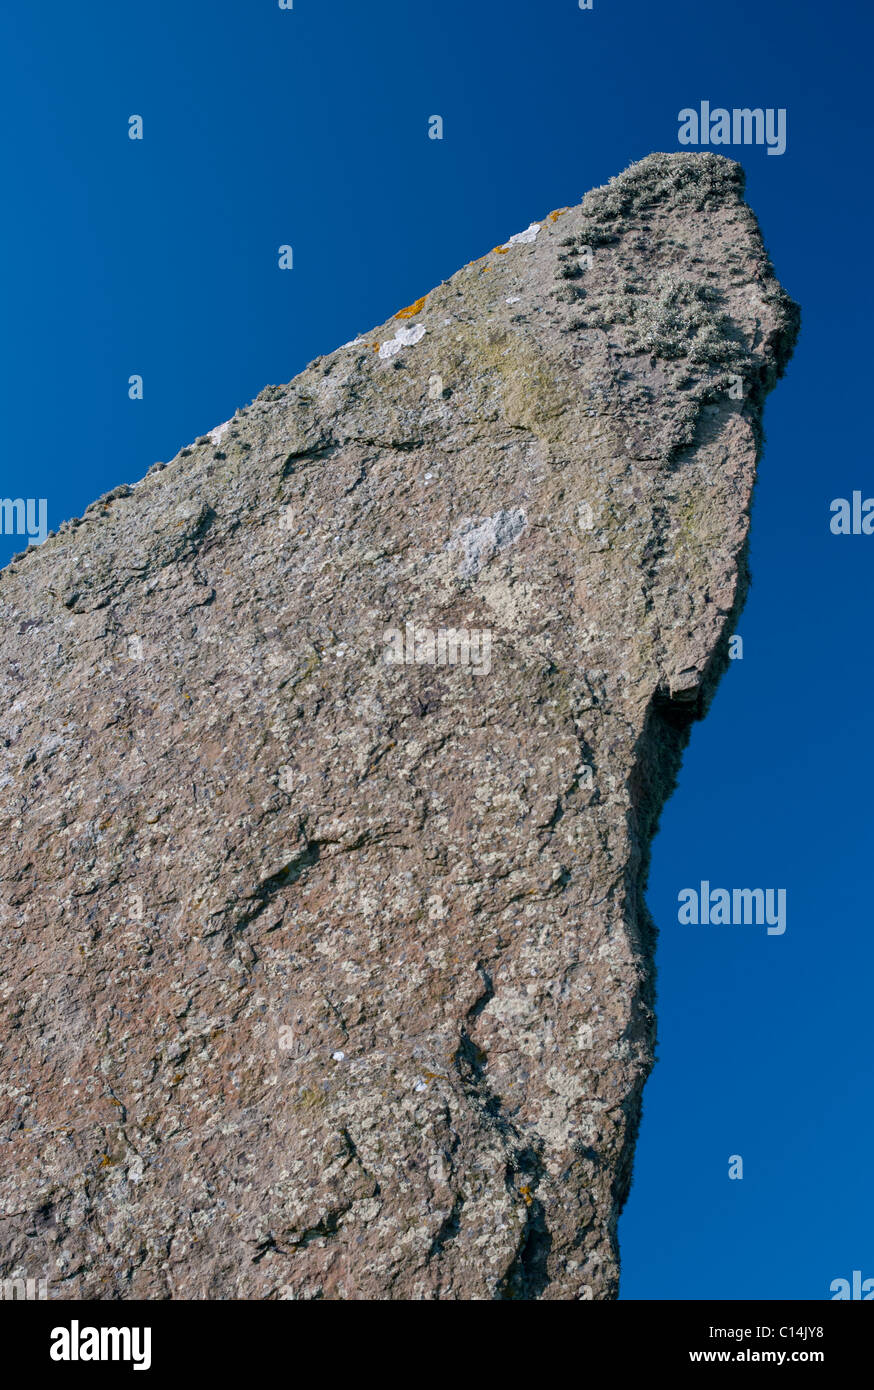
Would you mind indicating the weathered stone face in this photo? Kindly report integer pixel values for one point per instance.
(326, 967)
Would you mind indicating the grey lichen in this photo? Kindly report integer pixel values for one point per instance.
(676, 318)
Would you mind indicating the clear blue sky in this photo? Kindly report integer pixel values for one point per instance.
(309, 127)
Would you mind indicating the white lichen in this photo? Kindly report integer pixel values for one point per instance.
(405, 337)
(217, 434)
(479, 540)
(523, 238)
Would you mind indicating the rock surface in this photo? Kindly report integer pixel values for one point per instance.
(326, 969)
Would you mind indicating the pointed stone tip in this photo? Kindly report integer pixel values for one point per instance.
(684, 177)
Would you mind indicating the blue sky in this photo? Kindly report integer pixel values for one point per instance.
(309, 127)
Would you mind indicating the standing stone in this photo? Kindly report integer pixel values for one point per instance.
(331, 756)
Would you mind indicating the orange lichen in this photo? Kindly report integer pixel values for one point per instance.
(526, 1193)
(500, 250)
(412, 309)
(554, 216)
